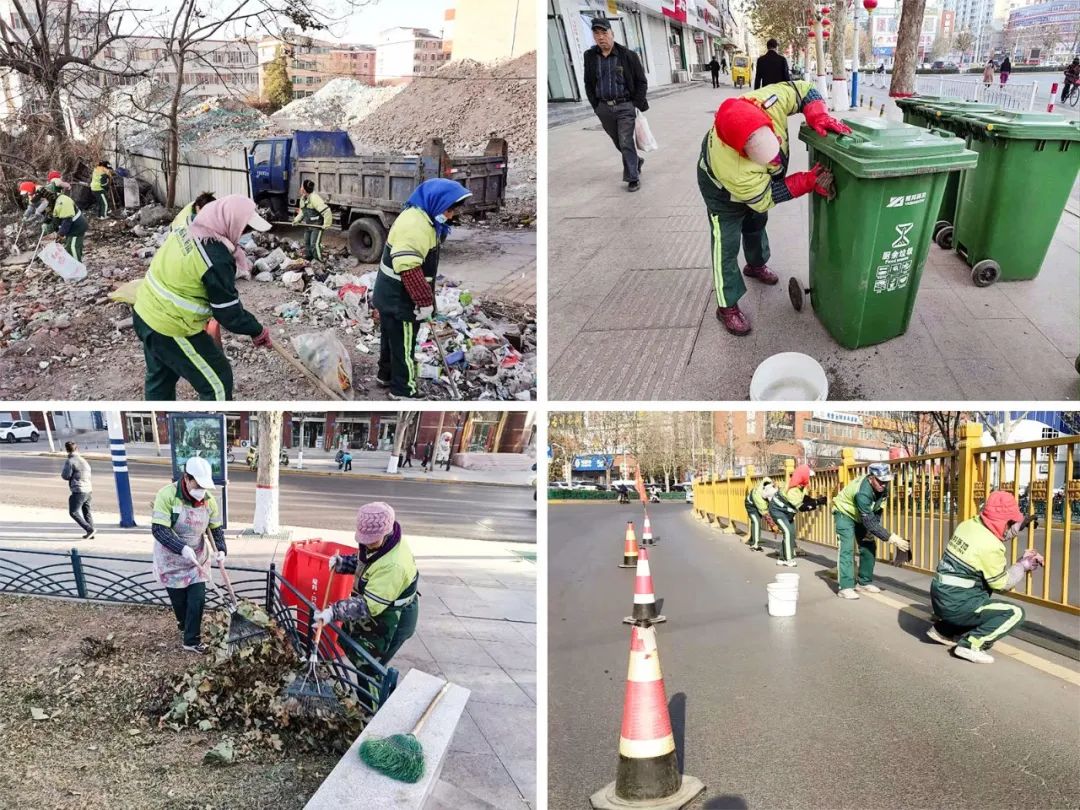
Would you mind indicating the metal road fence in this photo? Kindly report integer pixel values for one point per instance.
(1013, 96)
(931, 494)
(127, 580)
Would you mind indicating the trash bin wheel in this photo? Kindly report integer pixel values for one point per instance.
(943, 237)
(985, 273)
(796, 293)
(941, 223)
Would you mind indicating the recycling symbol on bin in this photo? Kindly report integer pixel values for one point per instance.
(902, 232)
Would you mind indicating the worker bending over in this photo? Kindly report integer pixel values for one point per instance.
(972, 568)
(856, 513)
(187, 214)
(67, 221)
(191, 279)
(318, 216)
(785, 504)
(757, 505)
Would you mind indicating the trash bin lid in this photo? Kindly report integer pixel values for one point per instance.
(878, 147)
(1028, 126)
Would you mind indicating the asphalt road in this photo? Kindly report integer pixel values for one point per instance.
(843, 706)
(470, 511)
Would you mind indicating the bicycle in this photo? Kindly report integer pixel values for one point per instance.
(1072, 96)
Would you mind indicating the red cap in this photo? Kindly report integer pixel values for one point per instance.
(999, 511)
(28, 187)
(53, 175)
(737, 119)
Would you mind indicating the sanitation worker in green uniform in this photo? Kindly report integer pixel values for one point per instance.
(757, 506)
(856, 514)
(972, 568)
(188, 213)
(100, 179)
(742, 173)
(317, 215)
(785, 504)
(67, 221)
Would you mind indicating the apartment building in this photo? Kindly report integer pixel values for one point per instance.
(314, 62)
(404, 53)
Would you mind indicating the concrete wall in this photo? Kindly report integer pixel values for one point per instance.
(222, 174)
(493, 30)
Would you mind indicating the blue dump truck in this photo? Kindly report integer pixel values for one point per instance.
(366, 192)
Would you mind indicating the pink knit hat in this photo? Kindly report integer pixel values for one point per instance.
(373, 522)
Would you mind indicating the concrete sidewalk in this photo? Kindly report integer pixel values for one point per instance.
(477, 628)
(366, 463)
(631, 303)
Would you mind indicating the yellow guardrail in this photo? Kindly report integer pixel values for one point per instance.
(932, 493)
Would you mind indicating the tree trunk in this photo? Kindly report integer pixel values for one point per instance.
(837, 51)
(266, 481)
(171, 168)
(57, 122)
(907, 49)
(404, 423)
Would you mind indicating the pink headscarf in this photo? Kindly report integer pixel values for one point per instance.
(225, 220)
(999, 511)
(800, 476)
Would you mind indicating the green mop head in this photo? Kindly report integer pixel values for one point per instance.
(400, 757)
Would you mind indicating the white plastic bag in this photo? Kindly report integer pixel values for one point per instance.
(62, 263)
(643, 136)
(328, 358)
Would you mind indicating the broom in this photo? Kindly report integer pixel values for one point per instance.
(307, 695)
(400, 756)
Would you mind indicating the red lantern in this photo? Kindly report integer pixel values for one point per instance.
(824, 34)
(826, 22)
(812, 34)
(869, 5)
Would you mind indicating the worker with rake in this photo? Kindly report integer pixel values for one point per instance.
(405, 286)
(384, 608)
(856, 514)
(742, 173)
(183, 511)
(191, 279)
(973, 567)
(316, 214)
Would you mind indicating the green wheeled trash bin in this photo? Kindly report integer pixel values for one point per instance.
(869, 244)
(1008, 208)
(914, 109)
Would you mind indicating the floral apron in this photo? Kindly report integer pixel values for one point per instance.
(172, 570)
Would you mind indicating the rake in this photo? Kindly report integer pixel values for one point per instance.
(308, 695)
(242, 631)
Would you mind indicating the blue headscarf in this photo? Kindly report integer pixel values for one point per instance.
(434, 197)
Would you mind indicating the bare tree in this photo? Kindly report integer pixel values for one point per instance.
(907, 48)
(914, 431)
(964, 42)
(405, 422)
(1000, 423)
(266, 491)
(948, 426)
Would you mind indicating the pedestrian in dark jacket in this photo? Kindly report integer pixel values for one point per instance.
(429, 450)
(615, 84)
(772, 68)
(409, 450)
(77, 473)
(714, 69)
(1006, 69)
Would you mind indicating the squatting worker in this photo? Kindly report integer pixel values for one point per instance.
(187, 214)
(182, 513)
(757, 505)
(742, 173)
(405, 287)
(857, 513)
(615, 85)
(785, 504)
(383, 610)
(317, 215)
(192, 278)
(77, 473)
(67, 221)
(972, 568)
(99, 185)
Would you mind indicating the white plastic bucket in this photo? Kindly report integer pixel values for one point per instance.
(789, 377)
(782, 599)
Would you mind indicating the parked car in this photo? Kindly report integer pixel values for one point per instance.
(689, 490)
(558, 485)
(16, 431)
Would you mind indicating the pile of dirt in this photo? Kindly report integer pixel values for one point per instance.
(78, 726)
(465, 103)
(340, 104)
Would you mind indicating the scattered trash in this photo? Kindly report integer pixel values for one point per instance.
(327, 358)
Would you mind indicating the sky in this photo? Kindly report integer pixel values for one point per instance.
(362, 27)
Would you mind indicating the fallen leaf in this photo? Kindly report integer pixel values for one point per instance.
(220, 754)
(38, 714)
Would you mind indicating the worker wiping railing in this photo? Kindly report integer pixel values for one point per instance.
(930, 494)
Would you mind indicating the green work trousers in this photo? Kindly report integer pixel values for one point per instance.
(729, 223)
(849, 535)
(754, 522)
(397, 354)
(187, 604)
(75, 240)
(196, 359)
(102, 203)
(786, 523)
(313, 244)
(971, 614)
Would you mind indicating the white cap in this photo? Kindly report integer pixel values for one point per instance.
(257, 223)
(199, 469)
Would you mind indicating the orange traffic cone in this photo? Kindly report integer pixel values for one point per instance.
(644, 599)
(647, 538)
(629, 555)
(648, 774)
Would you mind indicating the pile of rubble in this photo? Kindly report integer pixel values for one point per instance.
(340, 104)
(54, 334)
(465, 103)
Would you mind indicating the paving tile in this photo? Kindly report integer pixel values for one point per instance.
(523, 771)
(446, 626)
(456, 650)
(468, 739)
(488, 630)
(485, 776)
(654, 298)
(488, 684)
(511, 655)
(526, 679)
(511, 730)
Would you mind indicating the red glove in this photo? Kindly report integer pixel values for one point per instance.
(262, 340)
(817, 180)
(817, 116)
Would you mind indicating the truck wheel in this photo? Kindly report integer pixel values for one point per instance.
(279, 211)
(985, 273)
(367, 237)
(944, 237)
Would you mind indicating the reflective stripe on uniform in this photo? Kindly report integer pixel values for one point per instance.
(202, 367)
(717, 260)
(232, 303)
(410, 360)
(389, 271)
(955, 582)
(1017, 616)
(183, 303)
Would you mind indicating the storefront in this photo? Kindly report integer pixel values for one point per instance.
(308, 431)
